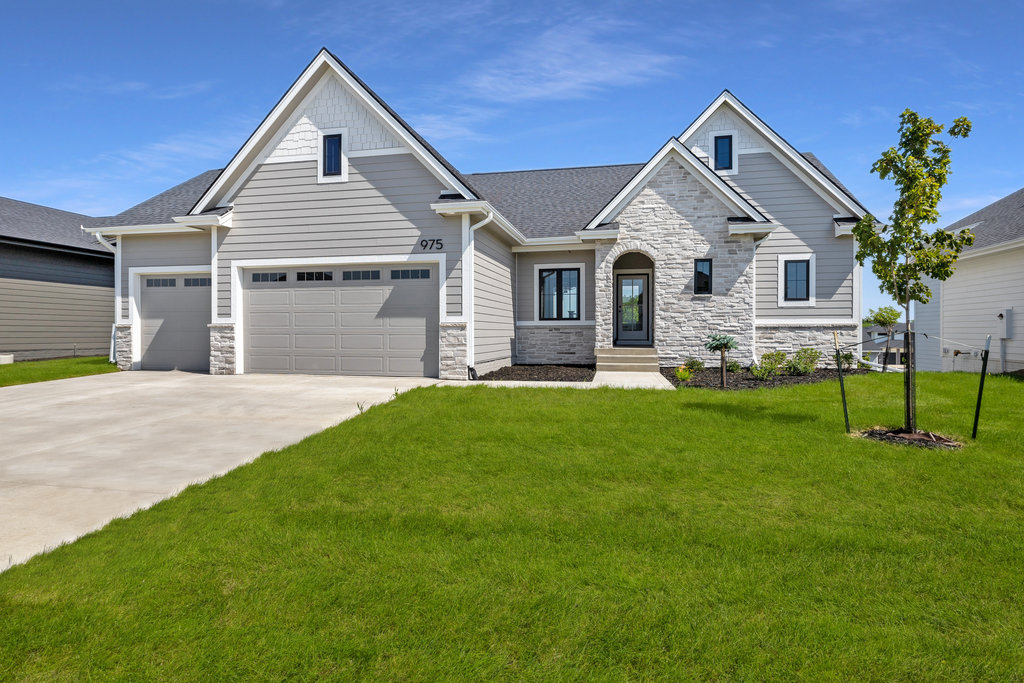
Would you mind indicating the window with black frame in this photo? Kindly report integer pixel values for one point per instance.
(559, 290)
(723, 152)
(702, 276)
(798, 287)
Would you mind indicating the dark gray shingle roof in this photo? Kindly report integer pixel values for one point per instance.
(24, 221)
(823, 169)
(553, 202)
(1001, 221)
(176, 201)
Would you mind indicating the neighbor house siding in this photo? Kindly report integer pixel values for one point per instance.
(382, 210)
(148, 251)
(54, 303)
(493, 312)
(980, 289)
(927, 322)
(526, 284)
(806, 226)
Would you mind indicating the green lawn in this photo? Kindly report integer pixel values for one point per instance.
(29, 371)
(559, 534)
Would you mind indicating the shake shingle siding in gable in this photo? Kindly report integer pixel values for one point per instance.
(383, 209)
(807, 226)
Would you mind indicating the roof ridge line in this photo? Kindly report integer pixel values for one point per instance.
(556, 168)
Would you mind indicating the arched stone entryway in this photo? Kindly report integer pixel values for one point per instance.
(633, 300)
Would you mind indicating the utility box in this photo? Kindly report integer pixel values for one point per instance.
(1004, 324)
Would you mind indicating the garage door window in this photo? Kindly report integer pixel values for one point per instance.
(270, 277)
(315, 276)
(411, 274)
(197, 282)
(360, 275)
(161, 282)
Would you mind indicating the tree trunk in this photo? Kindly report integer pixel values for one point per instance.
(909, 409)
(885, 359)
(723, 368)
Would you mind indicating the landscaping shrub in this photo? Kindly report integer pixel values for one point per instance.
(803, 361)
(733, 366)
(683, 373)
(770, 365)
(847, 360)
(693, 364)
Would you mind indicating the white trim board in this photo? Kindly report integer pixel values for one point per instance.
(135, 276)
(237, 294)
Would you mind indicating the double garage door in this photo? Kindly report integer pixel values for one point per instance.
(351, 320)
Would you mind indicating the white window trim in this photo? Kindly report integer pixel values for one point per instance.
(238, 266)
(320, 177)
(735, 135)
(811, 278)
(135, 276)
(537, 267)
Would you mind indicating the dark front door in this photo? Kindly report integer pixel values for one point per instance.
(633, 320)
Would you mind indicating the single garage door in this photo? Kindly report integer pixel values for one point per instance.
(175, 313)
(362, 320)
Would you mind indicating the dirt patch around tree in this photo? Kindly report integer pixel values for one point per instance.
(905, 438)
(710, 378)
(542, 373)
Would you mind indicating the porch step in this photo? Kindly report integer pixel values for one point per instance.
(627, 359)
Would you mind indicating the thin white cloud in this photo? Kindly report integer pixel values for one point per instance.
(113, 88)
(572, 60)
(866, 116)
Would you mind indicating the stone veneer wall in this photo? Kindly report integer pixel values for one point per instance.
(123, 346)
(674, 220)
(561, 345)
(222, 348)
(453, 352)
(791, 339)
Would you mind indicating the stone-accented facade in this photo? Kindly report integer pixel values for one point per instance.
(793, 338)
(222, 348)
(559, 345)
(453, 351)
(123, 346)
(674, 220)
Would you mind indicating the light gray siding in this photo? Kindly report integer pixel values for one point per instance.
(807, 226)
(383, 209)
(526, 284)
(54, 303)
(494, 315)
(927, 320)
(139, 251)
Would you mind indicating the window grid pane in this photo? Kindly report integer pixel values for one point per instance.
(559, 292)
(702, 276)
(797, 277)
(723, 152)
(332, 155)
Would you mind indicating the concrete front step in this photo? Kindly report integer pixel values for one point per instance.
(627, 359)
(627, 351)
(628, 367)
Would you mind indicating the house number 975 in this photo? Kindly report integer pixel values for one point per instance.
(428, 245)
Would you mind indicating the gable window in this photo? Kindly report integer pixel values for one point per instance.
(332, 156)
(702, 276)
(796, 280)
(723, 152)
(559, 291)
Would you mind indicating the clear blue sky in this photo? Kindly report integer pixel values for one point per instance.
(104, 104)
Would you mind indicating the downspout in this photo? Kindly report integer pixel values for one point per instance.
(116, 251)
(469, 272)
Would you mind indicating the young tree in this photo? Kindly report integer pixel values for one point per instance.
(887, 317)
(903, 253)
(722, 343)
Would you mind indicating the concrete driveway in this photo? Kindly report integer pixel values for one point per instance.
(76, 453)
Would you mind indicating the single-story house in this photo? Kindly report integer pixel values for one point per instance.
(338, 240)
(56, 284)
(875, 341)
(980, 297)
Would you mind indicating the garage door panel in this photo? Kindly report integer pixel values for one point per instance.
(315, 319)
(313, 297)
(360, 327)
(316, 341)
(174, 324)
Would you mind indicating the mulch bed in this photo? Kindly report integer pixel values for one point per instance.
(710, 378)
(905, 438)
(542, 373)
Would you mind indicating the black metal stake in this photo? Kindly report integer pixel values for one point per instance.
(981, 384)
(842, 387)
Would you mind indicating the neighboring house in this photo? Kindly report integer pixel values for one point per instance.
(875, 340)
(337, 240)
(981, 297)
(56, 284)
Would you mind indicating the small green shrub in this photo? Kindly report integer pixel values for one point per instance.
(770, 365)
(847, 360)
(683, 373)
(733, 365)
(693, 364)
(803, 361)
